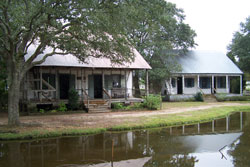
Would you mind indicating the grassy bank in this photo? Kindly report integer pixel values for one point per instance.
(190, 117)
(49, 134)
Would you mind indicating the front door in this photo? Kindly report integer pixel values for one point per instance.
(179, 85)
(97, 86)
(215, 85)
(64, 86)
(66, 82)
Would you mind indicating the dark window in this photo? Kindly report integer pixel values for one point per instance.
(189, 82)
(116, 81)
(205, 82)
(173, 82)
(50, 79)
(221, 82)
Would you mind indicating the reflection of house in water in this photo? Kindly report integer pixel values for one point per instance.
(166, 146)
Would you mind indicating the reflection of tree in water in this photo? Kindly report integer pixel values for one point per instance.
(240, 150)
(169, 151)
(172, 161)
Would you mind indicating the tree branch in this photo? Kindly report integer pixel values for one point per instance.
(46, 56)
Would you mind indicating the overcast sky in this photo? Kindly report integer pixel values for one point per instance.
(214, 21)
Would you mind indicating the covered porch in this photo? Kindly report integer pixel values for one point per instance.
(189, 84)
(51, 85)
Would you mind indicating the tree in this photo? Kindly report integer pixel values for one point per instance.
(81, 28)
(239, 49)
(154, 26)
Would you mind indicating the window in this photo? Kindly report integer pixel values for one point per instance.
(50, 79)
(205, 82)
(173, 82)
(221, 82)
(116, 81)
(189, 82)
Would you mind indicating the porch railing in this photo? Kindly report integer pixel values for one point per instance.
(201, 91)
(87, 97)
(108, 95)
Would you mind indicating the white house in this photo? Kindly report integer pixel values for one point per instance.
(97, 80)
(202, 71)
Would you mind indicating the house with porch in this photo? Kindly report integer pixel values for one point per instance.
(97, 81)
(207, 72)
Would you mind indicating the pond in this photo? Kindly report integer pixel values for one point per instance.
(223, 142)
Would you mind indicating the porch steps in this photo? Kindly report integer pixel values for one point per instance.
(98, 106)
(209, 98)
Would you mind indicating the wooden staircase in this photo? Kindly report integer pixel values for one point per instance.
(98, 106)
(209, 98)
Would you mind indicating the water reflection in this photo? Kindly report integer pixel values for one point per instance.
(189, 146)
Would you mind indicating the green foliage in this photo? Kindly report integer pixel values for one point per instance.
(41, 111)
(158, 26)
(239, 49)
(118, 106)
(222, 98)
(62, 107)
(53, 111)
(152, 102)
(73, 99)
(121, 106)
(198, 97)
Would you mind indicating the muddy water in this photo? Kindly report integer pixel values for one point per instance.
(221, 143)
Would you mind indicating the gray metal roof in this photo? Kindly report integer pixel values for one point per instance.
(207, 62)
(91, 62)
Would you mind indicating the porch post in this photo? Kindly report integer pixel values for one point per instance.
(170, 85)
(212, 87)
(57, 84)
(227, 84)
(147, 90)
(41, 84)
(103, 83)
(183, 84)
(198, 82)
(240, 84)
(126, 98)
(81, 87)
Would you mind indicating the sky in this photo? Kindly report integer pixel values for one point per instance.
(214, 21)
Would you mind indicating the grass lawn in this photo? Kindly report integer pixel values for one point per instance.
(168, 105)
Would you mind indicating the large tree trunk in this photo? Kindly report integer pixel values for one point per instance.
(13, 98)
(136, 84)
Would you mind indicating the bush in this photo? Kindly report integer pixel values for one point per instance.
(118, 106)
(198, 97)
(222, 98)
(73, 99)
(62, 107)
(152, 102)
(42, 111)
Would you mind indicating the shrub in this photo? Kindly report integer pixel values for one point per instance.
(42, 111)
(198, 97)
(152, 102)
(62, 107)
(221, 98)
(53, 111)
(73, 99)
(118, 106)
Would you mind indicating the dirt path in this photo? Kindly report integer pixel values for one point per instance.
(94, 120)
